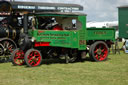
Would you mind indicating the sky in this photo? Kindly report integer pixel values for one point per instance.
(96, 10)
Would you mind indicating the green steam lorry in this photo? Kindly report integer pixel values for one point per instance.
(60, 35)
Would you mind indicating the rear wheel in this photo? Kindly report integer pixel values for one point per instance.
(17, 57)
(1, 49)
(9, 46)
(33, 58)
(99, 51)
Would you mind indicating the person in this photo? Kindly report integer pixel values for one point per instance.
(125, 46)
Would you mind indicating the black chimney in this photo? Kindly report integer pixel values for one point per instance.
(25, 23)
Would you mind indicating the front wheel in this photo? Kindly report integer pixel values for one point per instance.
(17, 57)
(99, 51)
(33, 58)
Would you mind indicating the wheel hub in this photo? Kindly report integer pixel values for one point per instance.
(99, 51)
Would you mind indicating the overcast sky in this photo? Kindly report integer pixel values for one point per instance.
(96, 10)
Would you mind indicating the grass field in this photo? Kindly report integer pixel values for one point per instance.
(114, 71)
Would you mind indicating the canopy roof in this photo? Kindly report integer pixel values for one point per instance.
(34, 6)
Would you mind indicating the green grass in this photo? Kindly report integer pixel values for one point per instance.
(114, 71)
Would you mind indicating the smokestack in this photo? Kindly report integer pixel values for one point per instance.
(25, 23)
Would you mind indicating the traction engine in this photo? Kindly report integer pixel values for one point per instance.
(10, 29)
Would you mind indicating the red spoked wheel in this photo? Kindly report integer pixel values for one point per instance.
(33, 58)
(17, 57)
(99, 51)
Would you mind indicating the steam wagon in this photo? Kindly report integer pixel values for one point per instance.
(60, 34)
(64, 34)
(10, 28)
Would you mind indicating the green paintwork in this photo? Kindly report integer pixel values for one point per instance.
(101, 34)
(123, 22)
(58, 38)
(72, 38)
(68, 39)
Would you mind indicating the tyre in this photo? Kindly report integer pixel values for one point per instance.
(99, 51)
(17, 57)
(33, 58)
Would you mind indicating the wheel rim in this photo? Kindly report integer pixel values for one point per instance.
(19, 57)
(100, 52)
(34, 58)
